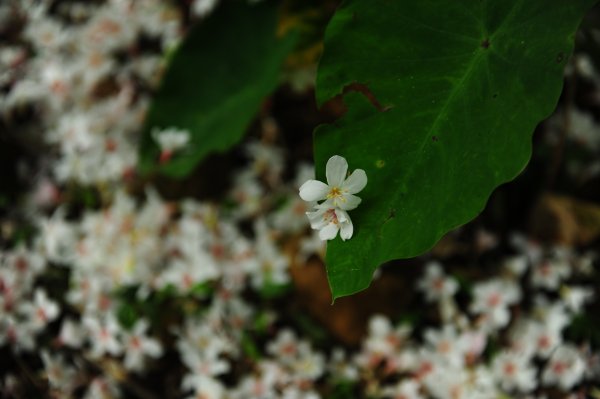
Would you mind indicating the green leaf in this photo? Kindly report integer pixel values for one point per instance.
(343, 390)
(127, 315)
(249, 347)
(215, 83)
(202, 290)
(454, 91)
(271, 291)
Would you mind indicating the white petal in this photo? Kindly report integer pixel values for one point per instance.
(313, 190)
(153, 348)
(347, 230)
(140, 327)
(342, 216)
(355, 182)
(351, 202)
(329, 232)
(316, 219)
(336, 170)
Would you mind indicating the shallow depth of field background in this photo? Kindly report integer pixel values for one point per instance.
(115, 283)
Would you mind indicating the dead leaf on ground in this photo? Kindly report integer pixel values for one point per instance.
(559, 219)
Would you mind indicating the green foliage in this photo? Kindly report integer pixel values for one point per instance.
(272, 291)
(202, 290)
(215, 83)
(310, 328)
(127, 315)
(449, 94)
(343, 390)
(584, 327)
(249, 347)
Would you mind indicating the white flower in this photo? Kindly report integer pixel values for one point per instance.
(270, 265)
(405, 389)
(446, 344)
(199, 336)
(535, 338)
(565, 368)
(138, 345)
(329, 221)
(201, 8)
(338, 197)
(575, 298)
(101, 388)
(514, 372)
(516, 265)
(207, 388)
(170, 140)
(492, 299)
(446, 382)
(310, 365)
(339, 190)
(104, 336)
(549, 274)
(41, 312)
(284, 347)
(435, 284)
(185, 274)
(384, 339)
(71, 334)
(60, 375)
(340, 367)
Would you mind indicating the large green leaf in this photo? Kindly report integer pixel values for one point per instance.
(454, 92)
(216, 82)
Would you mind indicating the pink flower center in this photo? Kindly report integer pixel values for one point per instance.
(331, 216)
(41, 315)
(438, 284)
(544, 342)
(494, 300)
(425, 368)
(559, 367)
(135, 343)
(187, 281)
(21, 264)
(393, 340)
(288, 349)
(510, 369)
(444, 347)
(258, 389)
(218, 251)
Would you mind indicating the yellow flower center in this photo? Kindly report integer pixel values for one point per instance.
(336, 192)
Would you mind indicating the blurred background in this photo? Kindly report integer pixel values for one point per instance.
(118, 279)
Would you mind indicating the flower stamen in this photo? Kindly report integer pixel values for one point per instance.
(337, 193)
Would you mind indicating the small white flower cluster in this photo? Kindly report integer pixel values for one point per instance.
(496, 344)
(88, 78)
(331, 215)
(452, 360)
(151, 248)
(103, 296)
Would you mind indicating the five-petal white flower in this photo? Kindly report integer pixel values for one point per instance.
(339, 190)
(331, 216)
